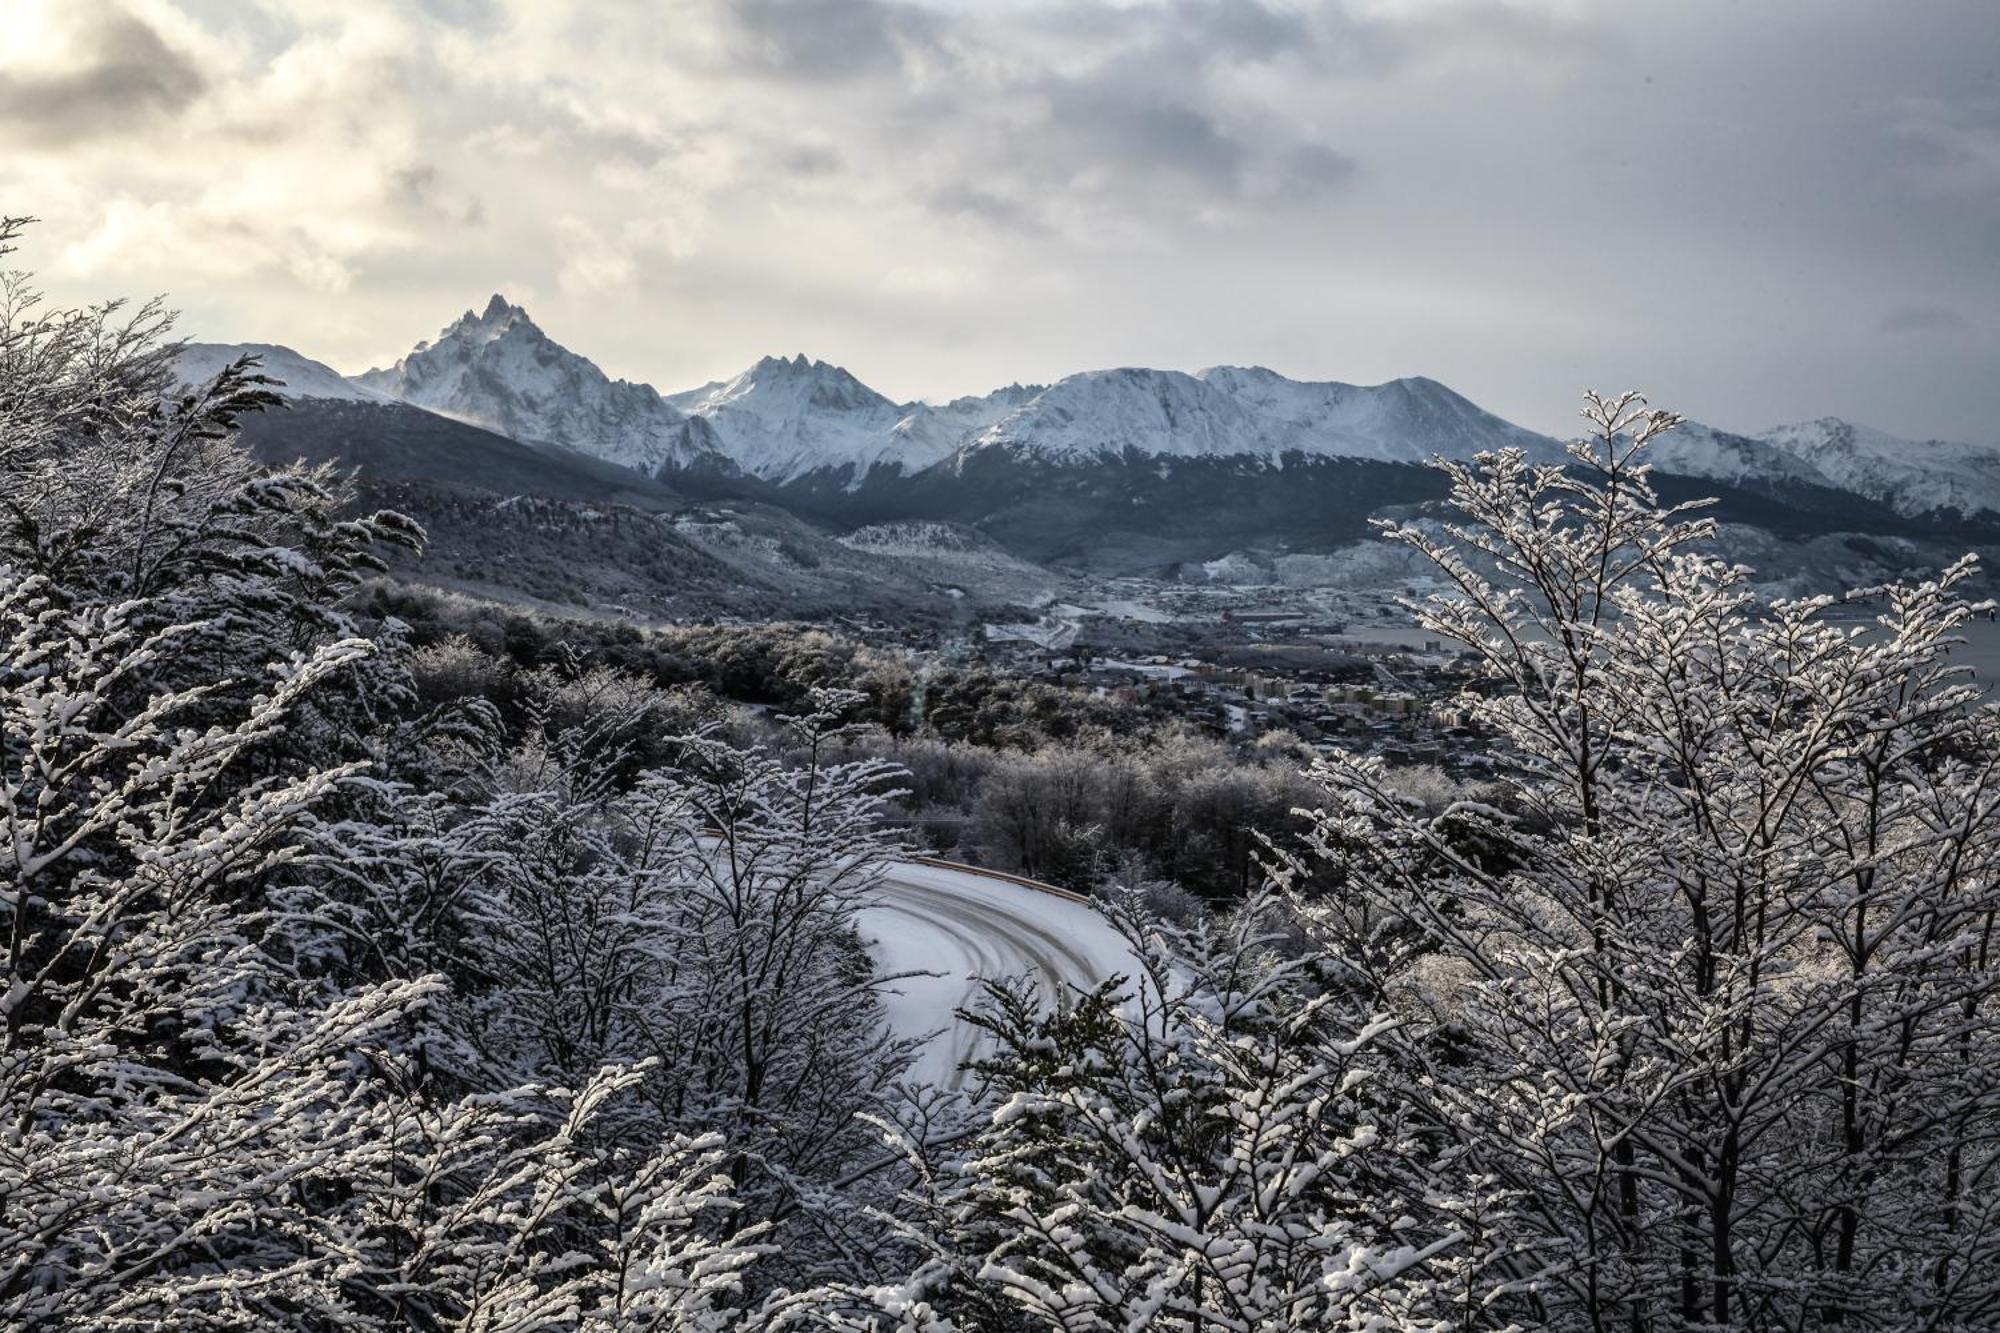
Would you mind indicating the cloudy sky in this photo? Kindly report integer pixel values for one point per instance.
(1757, 211)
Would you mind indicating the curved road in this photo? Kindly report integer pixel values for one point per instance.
(960, 928)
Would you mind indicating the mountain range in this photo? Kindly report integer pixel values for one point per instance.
(784, 421)
(1121, 470)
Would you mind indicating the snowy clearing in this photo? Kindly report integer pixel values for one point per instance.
(964, 927)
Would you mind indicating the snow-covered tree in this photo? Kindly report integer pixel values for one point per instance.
(117, 485)
(700, 920)
(161, 1095)
(515, 1211)
(1711, 999)
(793, 1027)
(193, 1138)
(214, 1111)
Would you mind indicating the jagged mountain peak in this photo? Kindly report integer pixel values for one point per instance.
(498, 370)
(1232, 372)
(1912, 476)
(1423, 384)
(827, 384)
(783, 418)
(1838, 432)
(798, 361)
(787, 417)
(499, 318)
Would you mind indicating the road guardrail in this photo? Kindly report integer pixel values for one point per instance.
(1021, 880)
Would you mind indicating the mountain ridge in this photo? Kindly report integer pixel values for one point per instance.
(809, 427)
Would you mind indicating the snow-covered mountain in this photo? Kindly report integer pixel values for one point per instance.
(789, 420)
(497, 370)
(1695, 450)
(812, 429)
(786, 420)
(303, 377)
(1231, 411)
(781, 419)
(1912, 477)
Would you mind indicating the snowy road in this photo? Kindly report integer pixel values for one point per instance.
(965, 927)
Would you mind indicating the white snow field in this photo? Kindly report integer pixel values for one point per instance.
(963, 927)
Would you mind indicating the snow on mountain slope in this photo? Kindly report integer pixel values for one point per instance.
(785, 420)
(1104, 413)
(1695, 450)
(922, 539)
(955, 554)
(498, 370)
(781, 419)
(1910, 476)
(1404, 420)
(1228, 411)
(937, 430)
(1913, 477)
(303, 377)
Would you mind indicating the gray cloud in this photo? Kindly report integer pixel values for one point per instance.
(1138, 132)
(1923, 319)
(835, 40)
(1062, 119)
(480, 16)
(963, 199)
(127, 75)
(1239, 29)
(1093, 99)
(1195, 32)
(1311, 168)
(422, 190)
(1955, 142)
(808, 159)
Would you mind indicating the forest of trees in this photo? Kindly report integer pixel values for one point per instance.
(364, 973)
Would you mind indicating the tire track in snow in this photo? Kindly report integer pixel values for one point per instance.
(965, 928)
